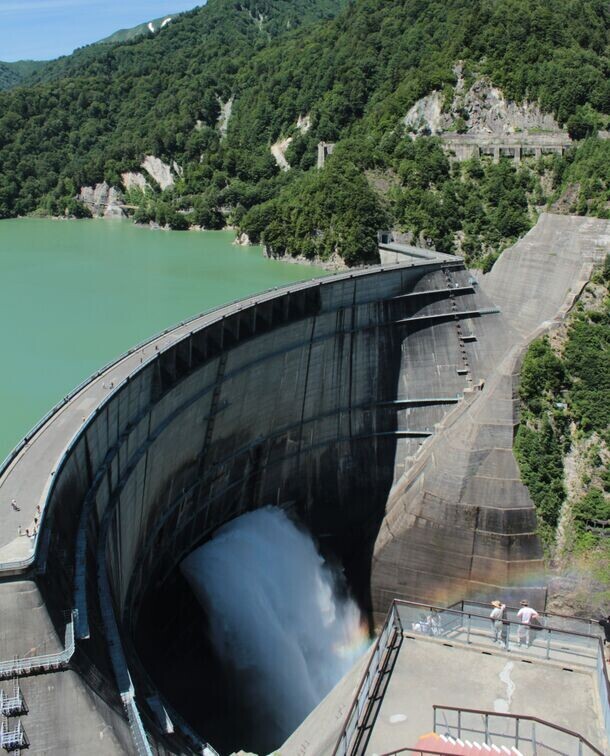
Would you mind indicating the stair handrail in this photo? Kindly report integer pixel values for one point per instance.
(382, 644)
(505, 715)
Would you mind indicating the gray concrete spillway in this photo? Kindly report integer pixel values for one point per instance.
(377, 406)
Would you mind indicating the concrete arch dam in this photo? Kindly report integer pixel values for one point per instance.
(378, 407)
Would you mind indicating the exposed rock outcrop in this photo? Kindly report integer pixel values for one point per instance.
(159, 171)
(304, 123)
(225, 114)
(278, 150)
(134, 180)
(483, 108)
(427, 115)
(103, 201)
(243, 240)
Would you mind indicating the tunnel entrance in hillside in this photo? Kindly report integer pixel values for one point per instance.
(201, 663)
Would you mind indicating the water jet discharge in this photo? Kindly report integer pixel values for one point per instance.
(280, 619)
(376, 407)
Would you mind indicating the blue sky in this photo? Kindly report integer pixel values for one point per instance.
(44, 29)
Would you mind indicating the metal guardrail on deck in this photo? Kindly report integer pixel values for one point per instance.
(544, 643)
(449, 624)
(567, 622)
(547, 643)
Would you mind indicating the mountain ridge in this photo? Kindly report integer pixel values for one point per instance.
(353, 77)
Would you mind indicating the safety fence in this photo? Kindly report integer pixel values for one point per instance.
(21, 667)
(569, 623)
(13, 738)
(537, 642)
(571, 649)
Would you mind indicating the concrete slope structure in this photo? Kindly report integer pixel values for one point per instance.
(377, 406)
(458, 520)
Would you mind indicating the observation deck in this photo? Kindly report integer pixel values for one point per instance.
(436, 682)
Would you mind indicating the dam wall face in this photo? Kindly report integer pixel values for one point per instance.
(378, 408)
(293, 400)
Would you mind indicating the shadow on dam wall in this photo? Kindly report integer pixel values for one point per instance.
(287, 400)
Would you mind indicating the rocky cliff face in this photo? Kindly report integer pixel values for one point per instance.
(159, 171)
(278, 150)
(225, 115)
(134, 180)
(483, 108)
(103, 201)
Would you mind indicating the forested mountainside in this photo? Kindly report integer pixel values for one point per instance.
(212, 92)
(148, 27)
(13, 74)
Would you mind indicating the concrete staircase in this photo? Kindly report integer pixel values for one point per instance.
(449, 746)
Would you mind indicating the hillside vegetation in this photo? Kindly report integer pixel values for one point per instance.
(13, 74)
(90, 116)
(563, 441)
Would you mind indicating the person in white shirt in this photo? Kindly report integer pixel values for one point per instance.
(496, 616)
(525, 616)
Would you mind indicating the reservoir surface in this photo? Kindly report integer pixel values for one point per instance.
(76, 294)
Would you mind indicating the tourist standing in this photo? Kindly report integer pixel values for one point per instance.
(498, 613)
(525, 616)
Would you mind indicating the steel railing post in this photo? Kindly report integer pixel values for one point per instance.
(548, 643)
(459, 724)
(517, 734)
(468, 633)
(534, 743)
(487, 729)
(579, 747)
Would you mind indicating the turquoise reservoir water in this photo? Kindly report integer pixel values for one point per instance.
(76, 294)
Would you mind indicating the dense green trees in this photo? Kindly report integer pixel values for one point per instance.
(588, 169)
(90, 116)
(540, 442)
(320, 214)
(566, 397)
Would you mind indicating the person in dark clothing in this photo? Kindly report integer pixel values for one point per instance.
(605, 623)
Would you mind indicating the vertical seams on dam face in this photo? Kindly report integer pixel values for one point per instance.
(315, 399)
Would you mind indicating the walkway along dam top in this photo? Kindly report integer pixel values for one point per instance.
(377, 405)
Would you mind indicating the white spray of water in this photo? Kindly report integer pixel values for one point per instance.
(276, 618)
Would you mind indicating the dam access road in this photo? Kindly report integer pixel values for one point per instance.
(377, 406)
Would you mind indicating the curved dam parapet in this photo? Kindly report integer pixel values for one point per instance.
(374, 406)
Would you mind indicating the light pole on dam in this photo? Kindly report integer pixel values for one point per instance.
(329, 399)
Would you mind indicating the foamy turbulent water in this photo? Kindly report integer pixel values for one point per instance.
(277, 618)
